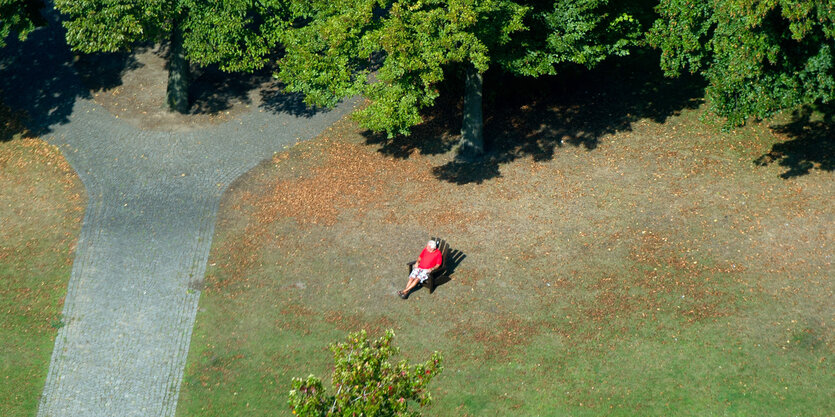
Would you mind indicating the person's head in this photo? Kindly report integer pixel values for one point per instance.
(431, 245)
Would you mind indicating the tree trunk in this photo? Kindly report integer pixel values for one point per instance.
(177, 71)
(472, 125)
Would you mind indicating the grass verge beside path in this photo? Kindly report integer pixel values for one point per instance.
(41, 206)
(660, 273)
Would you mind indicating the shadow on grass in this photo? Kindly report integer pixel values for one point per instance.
(212, 90)
(526, 117)
(812, 144)
(436, 135)
(11, 124)
(455, 258)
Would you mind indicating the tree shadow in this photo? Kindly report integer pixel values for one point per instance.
(42, 78)
(104, 70)
(438, 133)
(38, 79)
(213, 91)
(276, 100)
(812, 144)
(526, 117)
(11, 124)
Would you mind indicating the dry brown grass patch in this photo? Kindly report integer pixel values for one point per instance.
(295, 317)
(41, 204)
(352, 176)
(500, 338)
(19, 155)
(354, 322)
(675, 273)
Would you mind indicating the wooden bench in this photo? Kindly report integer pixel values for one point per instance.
(442, 246)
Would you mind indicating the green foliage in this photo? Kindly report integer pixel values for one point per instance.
(21, 16)
(112, 25)
(330, 57)
(237, 34)
(759, 56)
(367, 383)
(408, 45)
(582, 32)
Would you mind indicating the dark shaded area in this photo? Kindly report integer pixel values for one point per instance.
(526, 117)
(212, 90)
(11, 126)
(812, 144)
(455, 257)
(36, 77)
(437, 134)
(102, 71)
(276, 100)
(42, 78)
(812, 337)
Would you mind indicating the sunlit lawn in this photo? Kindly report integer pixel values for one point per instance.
(41, 204)
(654, 271)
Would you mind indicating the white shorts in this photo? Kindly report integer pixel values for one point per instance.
(420, 273)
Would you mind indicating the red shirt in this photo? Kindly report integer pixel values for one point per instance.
(429, 260)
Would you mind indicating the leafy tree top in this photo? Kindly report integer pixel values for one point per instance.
(366, 383)
(758, 56)
(236, 34)
(580, 32)
(335, 46)
(20, 16)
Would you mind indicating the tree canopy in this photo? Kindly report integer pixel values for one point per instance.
(367, 383)
(237, 35)
(19, 16)
(395, 53)
(407, 44)
(758, 56)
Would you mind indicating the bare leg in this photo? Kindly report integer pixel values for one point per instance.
(411, 284)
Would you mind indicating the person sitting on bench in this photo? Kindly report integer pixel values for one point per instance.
(430, 259)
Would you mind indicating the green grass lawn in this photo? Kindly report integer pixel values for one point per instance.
(41, 205)
(652, 269)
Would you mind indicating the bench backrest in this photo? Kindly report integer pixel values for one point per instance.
(443, 246)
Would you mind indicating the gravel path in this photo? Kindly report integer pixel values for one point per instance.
(141, 256)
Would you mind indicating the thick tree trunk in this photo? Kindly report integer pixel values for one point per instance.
(472, 125)
(177, 71)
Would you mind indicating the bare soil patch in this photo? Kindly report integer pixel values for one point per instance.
(132, 86)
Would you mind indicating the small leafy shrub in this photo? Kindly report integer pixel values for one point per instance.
(366, 383)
